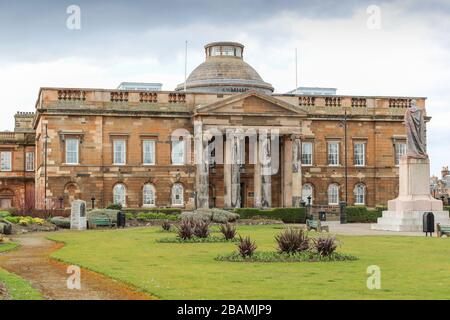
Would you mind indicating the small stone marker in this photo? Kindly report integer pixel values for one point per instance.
(78, 215)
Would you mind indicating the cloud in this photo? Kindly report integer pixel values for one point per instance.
(145, 42)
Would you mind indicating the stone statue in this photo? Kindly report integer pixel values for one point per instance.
(415, 132)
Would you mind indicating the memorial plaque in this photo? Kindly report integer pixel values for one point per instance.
(78, 215)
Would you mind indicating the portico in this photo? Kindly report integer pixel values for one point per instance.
(251, 165)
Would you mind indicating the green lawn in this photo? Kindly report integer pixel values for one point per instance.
(411, 267)
(18, 288)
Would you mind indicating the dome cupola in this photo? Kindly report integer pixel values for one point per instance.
(225, 71)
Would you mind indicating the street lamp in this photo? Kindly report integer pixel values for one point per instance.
(343, 124)
(342, 213)
(309, 205)
(61, 202)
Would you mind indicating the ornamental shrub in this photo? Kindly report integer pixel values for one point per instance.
(292, 241)
(360, 214)
(246, 247)
(287, 215)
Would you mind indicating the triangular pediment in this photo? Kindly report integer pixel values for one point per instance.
(251, 103)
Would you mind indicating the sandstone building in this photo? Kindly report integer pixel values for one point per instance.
(142, 148)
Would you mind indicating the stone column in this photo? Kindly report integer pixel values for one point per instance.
(236, 161)
(266, 170)
(296, 171)
(201, 157)
(257, 177)
(287, 171)
(227, 172)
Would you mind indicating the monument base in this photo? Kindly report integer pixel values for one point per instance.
(410, 221)
(405, 213)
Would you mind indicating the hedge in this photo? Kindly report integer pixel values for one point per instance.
(287, 215)
(146, 216)
(447, 208)
(363, 215)
(154, 210)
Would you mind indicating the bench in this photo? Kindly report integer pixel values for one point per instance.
(442, 230)
(316, 225)
(100, 222)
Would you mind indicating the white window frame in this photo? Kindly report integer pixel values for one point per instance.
(333, 195)
(177, 153)
(357, 161)
(6, 161)
(145, 197)
(360, 187)
(180, 201)
(305, 155)
(145, 154)
(330, 157)
(29, 161)
(120, 199)
(397, 154)
(305, 196)
(75, 152)
(123, 153)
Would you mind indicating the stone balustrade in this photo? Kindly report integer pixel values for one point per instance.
(312, 103)
(119, 96)
(177, 97)
(333, 101)
(148, 97)
(399, 103)
(7, 136)
(69, 94)
(306, 101)
(359, 102)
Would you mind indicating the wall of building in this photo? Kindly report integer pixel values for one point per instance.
(97, 117)
(17, 185)
(96, 175)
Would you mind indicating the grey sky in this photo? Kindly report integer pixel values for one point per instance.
(144, 41)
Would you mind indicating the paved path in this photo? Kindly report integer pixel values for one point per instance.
(363, 229)
(31, 261)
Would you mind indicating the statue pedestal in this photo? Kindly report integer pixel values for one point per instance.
(405, 213)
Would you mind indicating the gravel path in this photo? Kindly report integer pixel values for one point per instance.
(31, 261)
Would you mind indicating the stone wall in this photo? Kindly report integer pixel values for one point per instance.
(97, 117)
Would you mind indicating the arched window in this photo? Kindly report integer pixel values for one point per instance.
(307, 191)
(177, 195)
(360, 194)
(333, 194)
(119, 194)
(149, 193)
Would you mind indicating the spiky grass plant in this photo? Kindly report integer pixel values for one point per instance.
(325, 246)
(292, 241)
(246, 247)
(228, 230)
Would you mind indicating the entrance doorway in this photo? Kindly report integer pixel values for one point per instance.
(243, 195)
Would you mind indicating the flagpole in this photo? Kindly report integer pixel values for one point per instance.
(296, 71)
(185, 64)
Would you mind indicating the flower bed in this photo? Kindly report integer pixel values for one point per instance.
(305, 256)
(210, 239)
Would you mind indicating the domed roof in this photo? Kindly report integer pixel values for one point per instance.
(224, 70)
